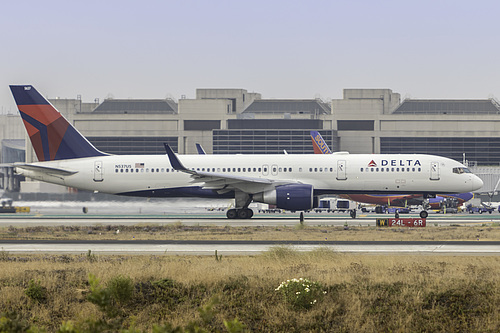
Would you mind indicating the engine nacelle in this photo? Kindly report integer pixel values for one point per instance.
(290, 197)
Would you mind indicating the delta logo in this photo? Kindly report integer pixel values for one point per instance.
(396, 163)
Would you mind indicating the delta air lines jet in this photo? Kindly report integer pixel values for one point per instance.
(291, 182)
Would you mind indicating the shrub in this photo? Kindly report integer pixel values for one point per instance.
(12, 322)
(36, 292)
(121, 289)
(301, 293)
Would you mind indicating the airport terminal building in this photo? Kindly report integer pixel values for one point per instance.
(229, 121)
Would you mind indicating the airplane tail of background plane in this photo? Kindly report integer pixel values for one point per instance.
(52, 136)
(200, 149)
(319, 145)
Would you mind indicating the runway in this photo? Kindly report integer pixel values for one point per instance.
(219, 219)
(208, 247)
(193, 214)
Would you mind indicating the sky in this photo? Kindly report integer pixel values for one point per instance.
(427, 49)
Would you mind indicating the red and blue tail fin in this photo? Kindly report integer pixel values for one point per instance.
(319, 145)
(52, 137)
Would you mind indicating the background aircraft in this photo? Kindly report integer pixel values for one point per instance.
(394, 200)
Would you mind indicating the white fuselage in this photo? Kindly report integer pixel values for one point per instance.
(153, 175)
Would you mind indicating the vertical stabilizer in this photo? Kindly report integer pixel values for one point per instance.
(52, 137)
(319, 144)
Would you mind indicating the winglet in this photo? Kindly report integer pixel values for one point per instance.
(319, 144)
(200, 149)
(174, 161)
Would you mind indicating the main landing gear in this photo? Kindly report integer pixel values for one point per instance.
(244, 213)
(241, 200)
(424, 214)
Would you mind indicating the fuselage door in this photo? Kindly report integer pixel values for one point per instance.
(434, 170)
(98, 172)
(341, 170)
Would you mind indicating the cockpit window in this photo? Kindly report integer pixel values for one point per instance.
(461, 170)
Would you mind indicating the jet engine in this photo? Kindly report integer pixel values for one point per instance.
(294, 197)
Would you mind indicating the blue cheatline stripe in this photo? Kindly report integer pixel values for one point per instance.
(190, 191)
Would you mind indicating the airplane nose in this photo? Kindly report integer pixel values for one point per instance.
(477, 183)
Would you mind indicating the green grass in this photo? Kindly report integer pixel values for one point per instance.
(374, 293)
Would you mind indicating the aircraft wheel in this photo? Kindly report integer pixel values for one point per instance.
(396, 215)
(480, 212)
(245, 213)
(353, 214)
(424, 214)
(232, 214)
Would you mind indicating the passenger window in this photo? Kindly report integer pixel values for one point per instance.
(290, 169)
(121, 170)
(116, 170)
(126, 170)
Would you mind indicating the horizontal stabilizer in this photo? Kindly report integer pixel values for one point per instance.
(45, 169)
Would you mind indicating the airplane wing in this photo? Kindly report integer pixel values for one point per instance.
(225, 182)
(45, 169)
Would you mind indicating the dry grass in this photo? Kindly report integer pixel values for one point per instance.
(365, 293)
(182, 232)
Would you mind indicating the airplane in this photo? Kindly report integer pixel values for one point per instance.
(291, 182)
(396, 200)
